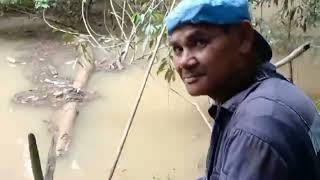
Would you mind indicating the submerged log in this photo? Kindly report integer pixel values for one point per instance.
(66, 116)
(64, 119)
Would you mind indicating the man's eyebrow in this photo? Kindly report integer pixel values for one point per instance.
(195, 34)
(172, 42)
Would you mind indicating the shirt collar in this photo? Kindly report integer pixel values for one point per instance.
(232, 104)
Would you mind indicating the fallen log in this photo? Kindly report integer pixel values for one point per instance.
(66, 116)
(63, 120)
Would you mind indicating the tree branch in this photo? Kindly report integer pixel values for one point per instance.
(296, 53)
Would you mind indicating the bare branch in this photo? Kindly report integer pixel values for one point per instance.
(56, 28)
(86, 25)
(117, 18)
(296, 53)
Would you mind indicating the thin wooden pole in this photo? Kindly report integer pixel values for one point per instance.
(128, 126)
(130, 121)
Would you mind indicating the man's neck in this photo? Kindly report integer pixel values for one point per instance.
(236, 87)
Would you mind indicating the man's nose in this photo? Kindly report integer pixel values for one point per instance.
(188, 60)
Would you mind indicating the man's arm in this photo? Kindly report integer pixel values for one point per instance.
(250, 158)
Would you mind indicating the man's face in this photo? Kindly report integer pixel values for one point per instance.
(205, 57)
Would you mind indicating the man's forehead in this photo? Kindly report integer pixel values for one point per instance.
(189, 30)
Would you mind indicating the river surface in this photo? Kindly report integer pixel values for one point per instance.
(168, 139)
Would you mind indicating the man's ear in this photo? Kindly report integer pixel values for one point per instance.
(246, 37)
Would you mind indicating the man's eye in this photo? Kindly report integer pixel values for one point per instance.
(201, 43)
(177, 50)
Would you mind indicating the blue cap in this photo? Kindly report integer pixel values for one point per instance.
(218, 12)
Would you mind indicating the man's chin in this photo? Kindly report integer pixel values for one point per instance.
(196, 92)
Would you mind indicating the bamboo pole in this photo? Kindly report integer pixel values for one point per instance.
(35, 158)
(130, 121)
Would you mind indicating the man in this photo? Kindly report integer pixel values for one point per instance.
(265, 128)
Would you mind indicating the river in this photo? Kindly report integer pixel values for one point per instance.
(168, 139)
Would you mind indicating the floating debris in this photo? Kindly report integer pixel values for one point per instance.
(58, 82)
(70, 62)
(11, 60)
(53, 71)
(53, 96)
(52, 90)
(75, 165)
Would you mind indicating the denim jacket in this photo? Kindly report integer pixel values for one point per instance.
(270, 131)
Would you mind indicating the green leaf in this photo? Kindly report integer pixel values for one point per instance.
(171, 73)
(136, 18)
(151, 43)
(318, 105)
(174, 76)
(68, 38)
(150, 29)
(158, 17)
(162, 66)
(166, 76)
(292, 13)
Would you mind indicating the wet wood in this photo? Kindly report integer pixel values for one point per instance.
(64, 119)
(52, 160)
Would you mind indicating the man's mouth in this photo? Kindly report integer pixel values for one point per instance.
(192, 78)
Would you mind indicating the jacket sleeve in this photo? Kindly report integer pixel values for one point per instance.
(250, 158)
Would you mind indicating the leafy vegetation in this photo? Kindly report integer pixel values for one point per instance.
(318, 105)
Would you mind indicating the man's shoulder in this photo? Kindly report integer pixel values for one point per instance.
(278, 113)
(275, 96)
(275, 103)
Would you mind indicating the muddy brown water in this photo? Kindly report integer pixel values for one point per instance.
(168, 139)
